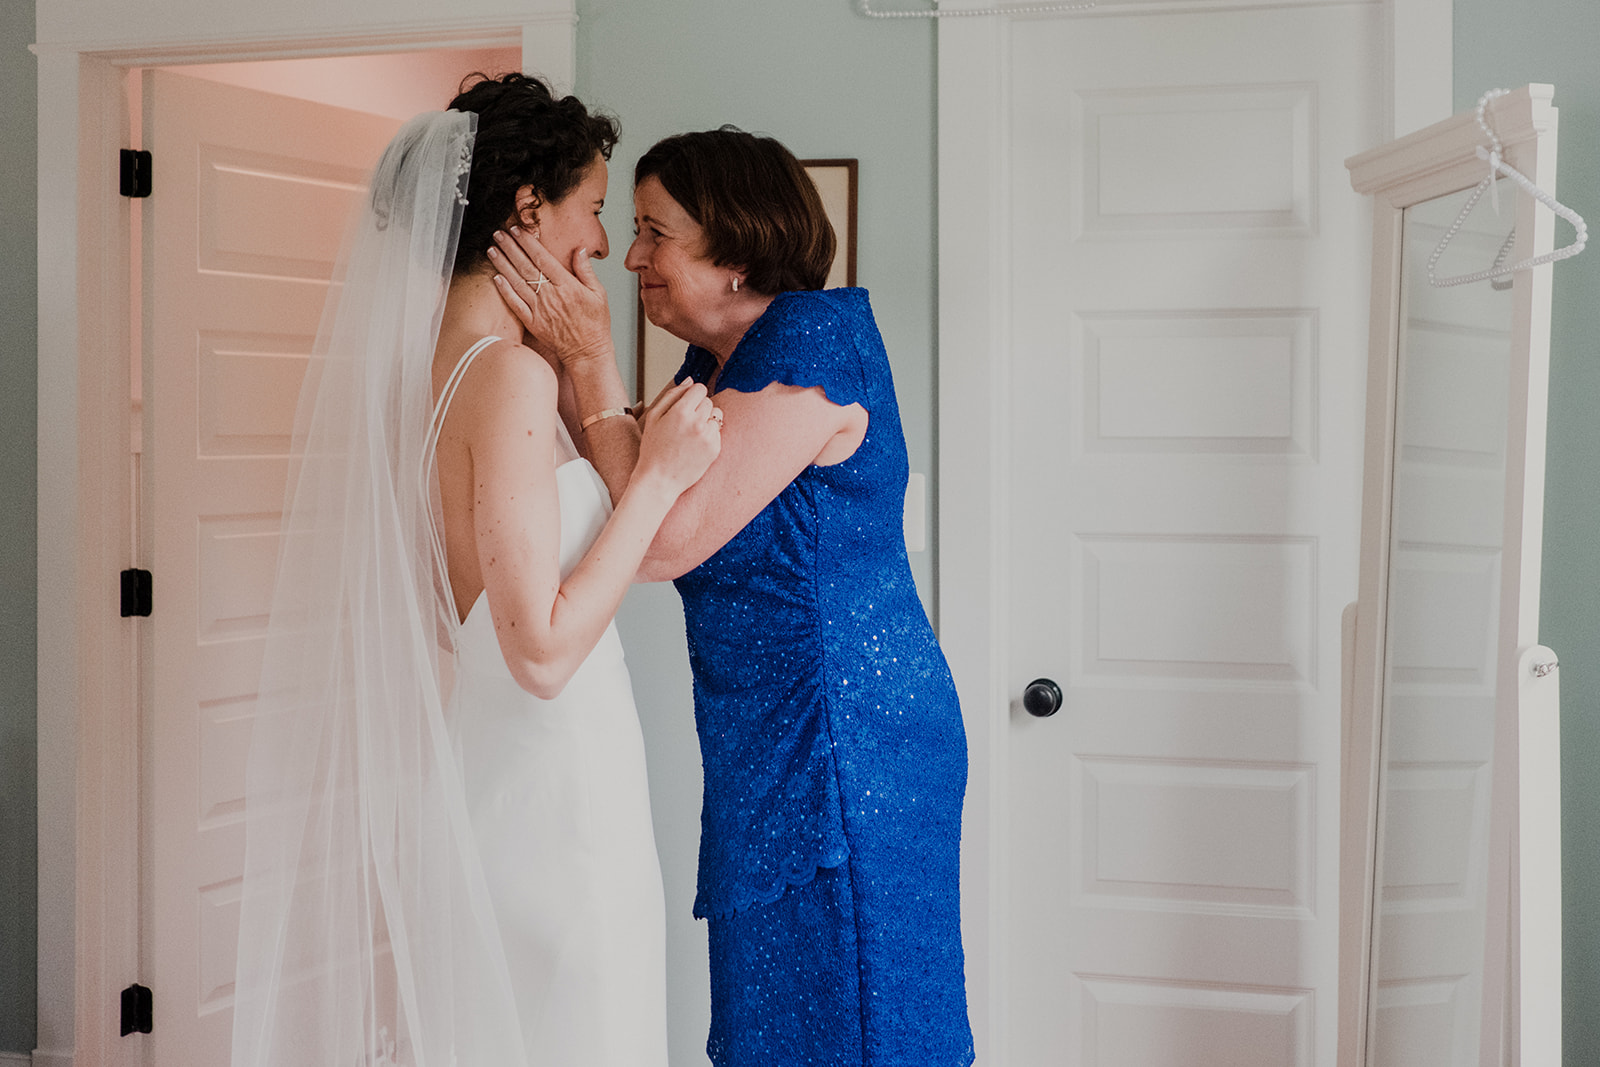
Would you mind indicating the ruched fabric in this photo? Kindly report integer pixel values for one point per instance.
(831, 738)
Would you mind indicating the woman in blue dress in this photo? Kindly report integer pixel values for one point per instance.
(830, 734)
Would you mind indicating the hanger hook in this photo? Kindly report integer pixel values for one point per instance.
(1496, 150)
(1498, 167)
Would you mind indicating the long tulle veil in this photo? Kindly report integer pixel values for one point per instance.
(366, 933)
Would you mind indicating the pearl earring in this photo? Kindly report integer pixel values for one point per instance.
(736, 283)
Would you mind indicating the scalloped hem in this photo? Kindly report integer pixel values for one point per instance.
(802, 874)
(970, 1057)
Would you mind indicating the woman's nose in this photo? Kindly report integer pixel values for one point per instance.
(637, 258)
(603, 249)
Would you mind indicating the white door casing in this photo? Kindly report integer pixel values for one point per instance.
(256, 191)
(1153, 308)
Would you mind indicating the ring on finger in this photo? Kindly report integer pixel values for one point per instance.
(716, 417)
(539, 284)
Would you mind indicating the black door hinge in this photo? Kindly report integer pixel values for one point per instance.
(135, 593)
(135, 172)
(136, 1010)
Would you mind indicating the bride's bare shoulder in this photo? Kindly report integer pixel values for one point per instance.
(510, 371)
(511, 364)
(505, 382)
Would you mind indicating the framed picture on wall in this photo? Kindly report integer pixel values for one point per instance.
(661, 354)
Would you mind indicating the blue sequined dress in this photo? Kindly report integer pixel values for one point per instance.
(834, 755)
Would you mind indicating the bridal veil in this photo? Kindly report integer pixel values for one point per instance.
(366, 933)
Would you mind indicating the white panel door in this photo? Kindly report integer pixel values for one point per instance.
(1187, 318)
(251, 194)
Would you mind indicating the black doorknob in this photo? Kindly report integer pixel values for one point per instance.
(1042, 698)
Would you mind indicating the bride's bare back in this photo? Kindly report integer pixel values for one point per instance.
(496, 389)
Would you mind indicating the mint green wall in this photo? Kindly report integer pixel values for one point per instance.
(1499, 44)
(828, 83)
(18, 343)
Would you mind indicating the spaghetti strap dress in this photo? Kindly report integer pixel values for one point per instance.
(560, 808)
(831, 739)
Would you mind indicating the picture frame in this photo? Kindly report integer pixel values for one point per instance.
(660, 354)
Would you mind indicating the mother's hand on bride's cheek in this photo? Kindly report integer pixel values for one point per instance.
(566, 314)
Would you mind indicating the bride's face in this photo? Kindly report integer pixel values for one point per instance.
(573, 222)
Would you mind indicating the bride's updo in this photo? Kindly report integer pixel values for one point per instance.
(526, 136)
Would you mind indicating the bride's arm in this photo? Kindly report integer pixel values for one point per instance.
(546, 626)
(768, 438)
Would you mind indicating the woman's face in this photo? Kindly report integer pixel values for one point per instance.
(682, 290)
(573, 222)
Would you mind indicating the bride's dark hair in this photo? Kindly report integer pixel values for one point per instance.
(526, 136)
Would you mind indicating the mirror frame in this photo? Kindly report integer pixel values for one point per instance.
(1522, 950)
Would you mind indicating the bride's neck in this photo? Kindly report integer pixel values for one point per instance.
(473, 305)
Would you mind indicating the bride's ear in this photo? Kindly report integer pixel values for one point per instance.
(527, 209)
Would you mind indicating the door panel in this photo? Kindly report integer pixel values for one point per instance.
(1187, 321)
(251, 195)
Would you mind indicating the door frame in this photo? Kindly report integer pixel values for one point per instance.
(88, 715)
(974, 489)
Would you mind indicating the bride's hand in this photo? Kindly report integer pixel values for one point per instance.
(566, 314)
(682, 436)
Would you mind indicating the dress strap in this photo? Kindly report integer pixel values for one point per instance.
(427, 475)
(448, 393)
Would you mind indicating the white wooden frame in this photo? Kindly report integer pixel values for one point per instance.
(1524, 877)
(974, 486)
(88, 752)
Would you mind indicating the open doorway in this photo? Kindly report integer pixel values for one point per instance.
(257, 166)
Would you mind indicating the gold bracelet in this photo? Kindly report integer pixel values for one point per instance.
(597, 416)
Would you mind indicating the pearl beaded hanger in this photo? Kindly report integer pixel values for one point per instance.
(955, 12)
(1497, 167)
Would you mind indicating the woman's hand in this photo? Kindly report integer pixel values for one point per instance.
(682, 437)
(566, 315)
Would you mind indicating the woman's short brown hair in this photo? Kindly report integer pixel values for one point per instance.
(759, 208)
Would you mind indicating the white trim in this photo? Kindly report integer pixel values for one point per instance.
(88, 751)
(549, 51)
(1421, 85)
(973, 479)
(974, 483)
(58, 551)
(224, 35)
(1021, 9)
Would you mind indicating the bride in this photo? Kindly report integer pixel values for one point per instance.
(458, 873)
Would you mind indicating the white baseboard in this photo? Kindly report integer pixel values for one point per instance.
(15, 1059)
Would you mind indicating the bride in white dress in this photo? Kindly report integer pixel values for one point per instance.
(438, 874)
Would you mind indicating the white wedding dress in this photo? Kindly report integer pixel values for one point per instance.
(560, 807)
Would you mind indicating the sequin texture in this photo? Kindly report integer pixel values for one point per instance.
(834, 755)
